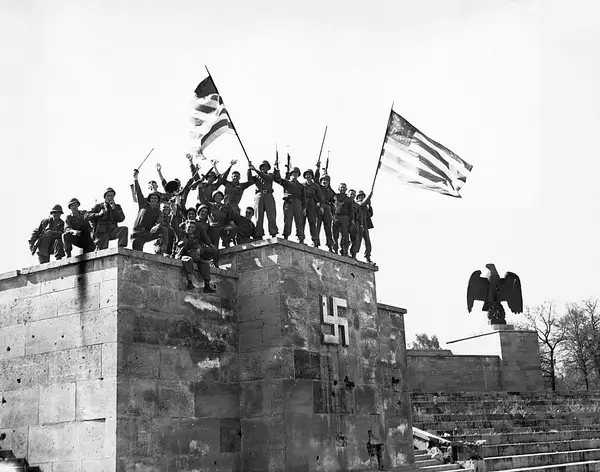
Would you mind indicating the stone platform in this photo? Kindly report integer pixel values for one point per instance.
(108, 364)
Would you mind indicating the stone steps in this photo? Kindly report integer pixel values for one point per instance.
(514, 437)
(539, 416)
(474, 396)
(539, 447)
(590, 466)
(516, 425)
(423, 461)
(540, 459)
(502, 407)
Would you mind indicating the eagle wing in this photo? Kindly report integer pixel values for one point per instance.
(509, 291)
(477, 289)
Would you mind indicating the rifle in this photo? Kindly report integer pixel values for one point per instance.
(321, 150)
(276, 165)
(327, 163)
(288, 165)
(34, 247)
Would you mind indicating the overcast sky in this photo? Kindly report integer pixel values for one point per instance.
(89, 87)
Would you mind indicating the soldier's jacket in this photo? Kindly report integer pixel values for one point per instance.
(356, 215)
(342, 205)
(263, 180)
(291, 190)
(313, 192)
(78, 223)
(109, 220)
(205, 191)
(366, 212)
(219, 214)
(47, 227)
(234, 192)
(147, 216)
(245, 227)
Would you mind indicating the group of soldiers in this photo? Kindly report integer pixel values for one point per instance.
(194, 234)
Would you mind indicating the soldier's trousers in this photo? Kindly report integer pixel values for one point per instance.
(84, 241)
(116, 232)
(48, 244)
(139, 238)
(265, 203)
(203, 266)
(326, 221)
(367, 238)
(292, 211)
(166, 241)
(356, 235)
(311, 216)
(225, 233)
(341, 226)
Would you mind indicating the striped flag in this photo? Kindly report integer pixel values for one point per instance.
(210, 116)
(419, 161)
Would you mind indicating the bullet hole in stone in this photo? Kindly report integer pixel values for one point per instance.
(395, 381)
(82, 327)
(8, 349)
(349, 384)
(2, 436)
(63, 336)
(240, 434)
(18, 381)
(3, 400)
(101, 378)
(83, 357)
(215, 462)
(333, 394)
(352, 274)
(32, 336)
(335, 382)
(318, 458)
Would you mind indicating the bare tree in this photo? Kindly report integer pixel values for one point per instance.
(551, 332)
(577, 349)
(592, 311)
(423, 341)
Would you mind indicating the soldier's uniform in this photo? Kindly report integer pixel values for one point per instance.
(219, 217)
(367, 215)
(147, 225)
(356, 228)
(78, 231)
(342, 210)
(234, 190)
(294, 204)
(325, 219)
(264, 201)
(47, 237)
(105, 219)
(314, 204)
(245, 229)
(207, 188)
(165, 244)
(190, 250)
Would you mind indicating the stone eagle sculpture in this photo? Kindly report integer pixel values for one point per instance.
(493, 290)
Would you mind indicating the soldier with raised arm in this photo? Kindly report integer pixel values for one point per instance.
(148, 223)
(234, 189)
(294, 203)
(78, 231)
(325, 218)
(342, 211)
(355, 225)
(367, 223)
(105, 218)
(314, 204)
(47, 237)
(263, 199)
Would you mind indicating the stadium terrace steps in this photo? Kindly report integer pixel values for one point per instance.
(521, 432)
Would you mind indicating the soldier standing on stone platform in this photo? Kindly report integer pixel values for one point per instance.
(165, 244)
(325, 218)
(234, 189)
(367, 223)
(314, 202)
(245, 227)
(105, 218)
(190, 250)
(78, 231)
(147, 225)
(342, 214)
(263, 199)
(294, 203)
(355, 225)
(47, 237)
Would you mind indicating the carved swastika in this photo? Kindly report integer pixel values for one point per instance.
(334, 326)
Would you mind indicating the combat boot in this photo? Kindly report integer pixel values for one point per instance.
(208, 288)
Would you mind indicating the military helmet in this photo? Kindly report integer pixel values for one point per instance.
(265, 163)
(217, 192)
(156, 194)
(295, 169)
(361, 194)
(72, 201)
(56, 209)
(326, 177)
(308, 171)
(109, 189)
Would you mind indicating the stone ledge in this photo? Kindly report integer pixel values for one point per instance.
(302, 247)
(392, 308)
(102, 254)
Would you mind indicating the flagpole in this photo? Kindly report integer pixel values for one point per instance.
(382, 144)
(229, 114)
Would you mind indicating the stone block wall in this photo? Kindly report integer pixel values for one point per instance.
(108, 364)
(58, 339)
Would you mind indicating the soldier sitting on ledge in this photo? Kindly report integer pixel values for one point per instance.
(105, 218)
(147, 226)
(78, 231)
(47, 236)
(191, 250)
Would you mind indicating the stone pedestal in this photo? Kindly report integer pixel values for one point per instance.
(108, 364)
(518, 350)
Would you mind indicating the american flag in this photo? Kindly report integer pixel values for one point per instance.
(210, 116)
(419, 161)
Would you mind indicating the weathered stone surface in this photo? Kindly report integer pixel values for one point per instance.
(270, 363)
(175, 399)
(12, 342)
(67, 441)
(217, 400)
(96, 399)
(73, 365)
(196, 365)
(19, 408)
(261, 398)
(57, 403)
(54, 334)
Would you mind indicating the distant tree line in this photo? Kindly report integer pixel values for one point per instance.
(569, 343)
